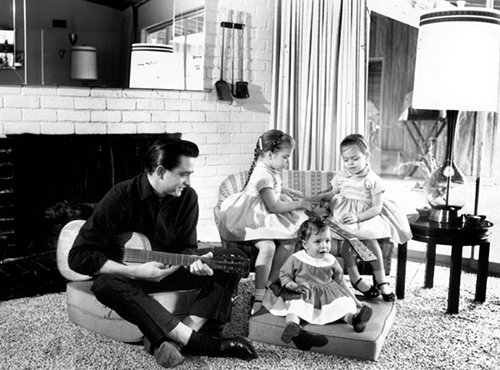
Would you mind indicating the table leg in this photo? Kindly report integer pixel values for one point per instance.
(401, 271)
(482, 272)
(430, 264)
(455, 272)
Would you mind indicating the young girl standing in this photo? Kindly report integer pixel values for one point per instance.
(260, 213)
(313, 289)
(356, 201)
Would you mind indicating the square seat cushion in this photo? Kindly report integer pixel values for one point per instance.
(85, 310)
(342, 339)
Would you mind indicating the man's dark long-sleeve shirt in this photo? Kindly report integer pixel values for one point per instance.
(169, 223)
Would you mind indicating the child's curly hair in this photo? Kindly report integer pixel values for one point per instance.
(314, 224)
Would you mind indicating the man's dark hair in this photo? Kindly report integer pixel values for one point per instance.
(168, 153)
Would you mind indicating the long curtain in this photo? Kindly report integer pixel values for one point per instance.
(319, 74)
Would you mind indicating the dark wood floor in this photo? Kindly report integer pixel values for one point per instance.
(29, 276)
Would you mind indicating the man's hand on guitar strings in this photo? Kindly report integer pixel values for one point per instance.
(198, 267)
(153, 271)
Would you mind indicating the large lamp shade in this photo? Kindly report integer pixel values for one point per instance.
(83, 63)
(458, 59)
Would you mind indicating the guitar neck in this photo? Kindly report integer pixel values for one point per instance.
(131, 255)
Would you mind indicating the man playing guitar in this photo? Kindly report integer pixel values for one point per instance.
(160, 204)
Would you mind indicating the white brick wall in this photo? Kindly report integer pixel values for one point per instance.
(225, 133)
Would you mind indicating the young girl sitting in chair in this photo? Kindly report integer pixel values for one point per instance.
(356, 201)
(261, 214)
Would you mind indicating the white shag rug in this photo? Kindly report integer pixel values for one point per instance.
(35, 333)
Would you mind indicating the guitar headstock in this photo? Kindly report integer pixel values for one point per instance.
(230, 262)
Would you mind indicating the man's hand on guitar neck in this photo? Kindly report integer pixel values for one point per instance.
(200, 268)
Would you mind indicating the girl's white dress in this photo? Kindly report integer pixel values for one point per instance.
(325, 300)
(244, 216)
(355, 193)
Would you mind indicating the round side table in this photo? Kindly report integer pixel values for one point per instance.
(457, 236)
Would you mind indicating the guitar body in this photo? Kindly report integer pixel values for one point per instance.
(65, 241)
(137, 249)
(67, 237)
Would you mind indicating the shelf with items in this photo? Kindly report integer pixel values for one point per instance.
(7, 49)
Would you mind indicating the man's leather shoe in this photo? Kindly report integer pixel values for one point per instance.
(238, 347)
(212, 328)
(167, 354)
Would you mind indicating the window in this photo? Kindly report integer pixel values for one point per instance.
(186, 34)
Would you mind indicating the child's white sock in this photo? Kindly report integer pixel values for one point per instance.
(259, 294)
(348, 318)
(356, 280)
(380, 278)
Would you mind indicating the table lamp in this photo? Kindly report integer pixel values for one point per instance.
(457, 68)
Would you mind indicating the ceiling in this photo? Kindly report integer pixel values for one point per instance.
(118, 4)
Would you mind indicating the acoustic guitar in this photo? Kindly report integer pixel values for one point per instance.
(136, 248)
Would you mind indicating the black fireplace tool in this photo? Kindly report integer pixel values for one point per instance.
(222, 87)
(240, 88)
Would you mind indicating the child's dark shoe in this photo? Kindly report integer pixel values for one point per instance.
(292, 329)
(360, 318)
(255, 305)
(388, 297)
(372, 292)
(305, 340)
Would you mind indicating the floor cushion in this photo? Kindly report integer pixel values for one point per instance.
(85, 310)
(342, 339)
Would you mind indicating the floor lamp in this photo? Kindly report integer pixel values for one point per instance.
(457, 69)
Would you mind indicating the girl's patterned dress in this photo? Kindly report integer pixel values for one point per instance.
(354, 195)
(244, 216)
(324, 301)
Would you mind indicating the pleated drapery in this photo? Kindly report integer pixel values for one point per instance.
(319, 72)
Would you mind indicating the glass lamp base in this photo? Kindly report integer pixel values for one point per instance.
(444, 214)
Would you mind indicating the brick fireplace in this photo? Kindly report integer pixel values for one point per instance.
(55, 137)
(66, 146)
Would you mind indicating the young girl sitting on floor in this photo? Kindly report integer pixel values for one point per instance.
(260, 213)
(357, 203)
(313, 290)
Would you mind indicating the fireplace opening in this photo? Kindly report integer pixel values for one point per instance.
(47, 181)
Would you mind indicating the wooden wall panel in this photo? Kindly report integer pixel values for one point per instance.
(396, 43)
